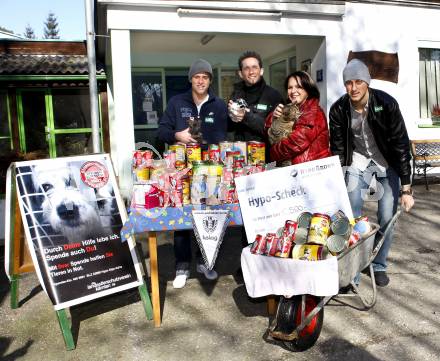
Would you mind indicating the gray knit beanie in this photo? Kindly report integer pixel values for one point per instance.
(199, 66)
(356, 70)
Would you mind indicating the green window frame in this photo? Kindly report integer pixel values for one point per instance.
(5, 116)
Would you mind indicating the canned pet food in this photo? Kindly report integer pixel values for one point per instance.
(336, 244)
(301, 235)
(238, 161)
(304, 220)
(186, 190)
(205, 155)
(224, 146)
(193, 152)
(286, 247)
(242, 147)
(340, 224)
(256, 152)
(363, 227)
(319, 229)
(354, 238)
(142, 174)
(272, 250)
(290, 228)
(308, 252)
(256, 244)
(229, 157)
(214, 153)
(180, 151)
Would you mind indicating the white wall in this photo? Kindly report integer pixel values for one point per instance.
(121, 126)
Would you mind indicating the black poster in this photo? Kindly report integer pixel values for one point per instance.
(72, 213)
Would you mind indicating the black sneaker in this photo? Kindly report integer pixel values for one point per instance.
(381, 278)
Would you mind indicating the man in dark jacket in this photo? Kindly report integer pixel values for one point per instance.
(368, 133)
(261, 99)
(201, 103)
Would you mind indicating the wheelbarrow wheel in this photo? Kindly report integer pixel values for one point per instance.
(289, 318)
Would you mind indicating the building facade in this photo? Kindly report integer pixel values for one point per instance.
(150, 45)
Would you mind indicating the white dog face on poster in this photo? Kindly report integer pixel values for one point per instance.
(67, 209)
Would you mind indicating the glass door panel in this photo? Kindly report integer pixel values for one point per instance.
(71, 108)
(33, 132)
(71, 122)
(73, 144)
(5, 129)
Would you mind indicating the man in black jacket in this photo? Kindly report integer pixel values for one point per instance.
(261, 99)
(199, 102)
(368, 133)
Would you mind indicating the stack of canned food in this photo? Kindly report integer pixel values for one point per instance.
(312, 237)
(194, 174)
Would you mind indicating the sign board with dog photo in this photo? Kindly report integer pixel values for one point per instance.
(72, 214)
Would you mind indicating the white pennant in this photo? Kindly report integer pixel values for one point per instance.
(209, 228)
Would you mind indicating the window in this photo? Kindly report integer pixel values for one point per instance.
(5, 125)
(292, 64)
(147, 90)
(429, 66)
(277, 75)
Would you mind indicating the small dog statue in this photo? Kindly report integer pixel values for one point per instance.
(281, 127)
(195, 128)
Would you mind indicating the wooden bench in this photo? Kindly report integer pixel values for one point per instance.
(426, 155)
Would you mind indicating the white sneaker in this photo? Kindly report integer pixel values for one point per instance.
(209, 274)
(180, 281)
(182, 274)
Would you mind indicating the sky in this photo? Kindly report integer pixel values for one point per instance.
(15, 15)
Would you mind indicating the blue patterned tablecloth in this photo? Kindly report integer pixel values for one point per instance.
(171, 219)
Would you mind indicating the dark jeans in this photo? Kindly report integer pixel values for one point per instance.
(182, 246)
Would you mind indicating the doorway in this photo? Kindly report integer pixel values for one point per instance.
(55, 121)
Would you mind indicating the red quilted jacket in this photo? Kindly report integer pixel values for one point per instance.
(309, 139)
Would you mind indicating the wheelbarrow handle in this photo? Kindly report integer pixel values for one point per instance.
(386, 231)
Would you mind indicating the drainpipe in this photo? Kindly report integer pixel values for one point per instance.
(93, 88)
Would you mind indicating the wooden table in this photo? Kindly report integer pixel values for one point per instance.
(166, 219)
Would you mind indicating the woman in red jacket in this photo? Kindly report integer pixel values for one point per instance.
(309, 138)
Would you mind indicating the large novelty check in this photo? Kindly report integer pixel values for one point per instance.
(270, 198)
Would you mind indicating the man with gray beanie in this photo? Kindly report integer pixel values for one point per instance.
(368, 133)
(199, 105)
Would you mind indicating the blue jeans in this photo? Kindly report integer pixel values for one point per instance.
(182, 246)
(387, 196)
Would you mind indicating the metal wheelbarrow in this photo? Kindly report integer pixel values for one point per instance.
(298, 321)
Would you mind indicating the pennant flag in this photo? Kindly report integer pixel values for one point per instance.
(209, 228)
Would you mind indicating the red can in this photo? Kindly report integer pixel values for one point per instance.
(263, 244)
(205, 155)
(214, 153)
(272, 247)
(256, 245)
(290, 228)
(229, 157)
(238, 161)
(354, 238)
(286, 247)
(231, 194)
